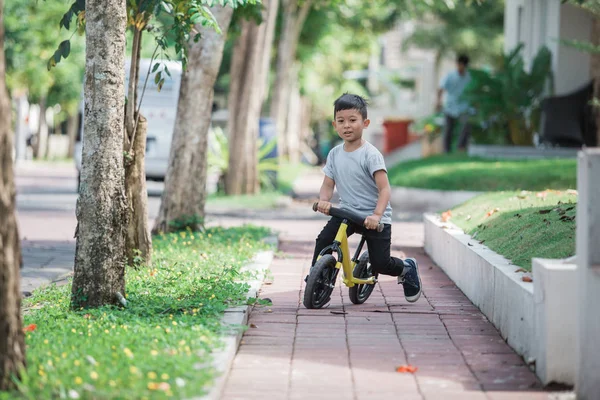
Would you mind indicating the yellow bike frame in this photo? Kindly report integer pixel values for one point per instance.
(347, 263)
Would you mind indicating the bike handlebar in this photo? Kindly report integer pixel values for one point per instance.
(345, 214)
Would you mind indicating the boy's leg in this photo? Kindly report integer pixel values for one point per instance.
(379, 244)
(327, 236)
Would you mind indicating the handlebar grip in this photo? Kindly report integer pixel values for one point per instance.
(315, 206)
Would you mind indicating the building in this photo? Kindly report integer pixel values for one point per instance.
(536, 23)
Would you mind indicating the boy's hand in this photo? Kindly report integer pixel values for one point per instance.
(323, 207)
(372, 221)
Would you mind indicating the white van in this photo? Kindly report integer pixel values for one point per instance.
(160, 109)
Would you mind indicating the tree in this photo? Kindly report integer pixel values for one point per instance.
(475, 29)
(101, 206)
(26, 72)
(293, 17)
(184, 195)
(12, 345)
(249, 73)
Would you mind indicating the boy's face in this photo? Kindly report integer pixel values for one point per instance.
(349, 125)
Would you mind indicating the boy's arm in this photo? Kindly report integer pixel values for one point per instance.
(325, 194)
(385, 192)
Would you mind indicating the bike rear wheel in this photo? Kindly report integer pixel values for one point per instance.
(360, 293)
(320, 282)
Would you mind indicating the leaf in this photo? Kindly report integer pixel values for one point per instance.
(253, 326)
(160, 84)
(406, 368)
(469, 243)
(566, 218)
(157, 78)
(156, 65)
(545, 211)
(518, 215)
(446, 215)
(30, 328)
(526, 279)
(338, 312)
(520, 270)
(491, 212)
(167, 71)
(65, 48)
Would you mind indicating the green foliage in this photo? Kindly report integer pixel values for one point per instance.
(508, 101)
(189, 222)
(460, 27)
(521, 225)
(218, 157)
(27, 49)
(460, 172)
(160, 345)
(182, 17)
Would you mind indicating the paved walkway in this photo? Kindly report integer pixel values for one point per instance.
(351, 352)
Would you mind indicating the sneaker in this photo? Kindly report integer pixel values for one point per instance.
(410, 280)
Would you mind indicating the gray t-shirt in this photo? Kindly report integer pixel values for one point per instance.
(353, 175)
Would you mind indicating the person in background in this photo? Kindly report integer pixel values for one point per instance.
(455, 108)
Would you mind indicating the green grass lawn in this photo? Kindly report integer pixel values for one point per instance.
(460, 172)
(521, 225)
(157, 347)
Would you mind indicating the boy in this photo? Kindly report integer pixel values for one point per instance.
(357, 168)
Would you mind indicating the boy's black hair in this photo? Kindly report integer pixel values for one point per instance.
(349, 101)
(463, 59)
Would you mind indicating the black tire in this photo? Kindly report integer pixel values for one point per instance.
(360, 293)
(320, 282)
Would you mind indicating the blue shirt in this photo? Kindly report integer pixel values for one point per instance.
(454, 84)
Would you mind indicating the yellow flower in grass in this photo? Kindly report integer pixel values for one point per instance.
(152, 386)
(154, 352)
(128, 352)
(77, 363)
(94, 375)
(78, 380)
(164, 377)
(112, 383)
(152, 375)
(133, 370)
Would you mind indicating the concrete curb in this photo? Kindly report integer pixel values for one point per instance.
(235, 317)
(489, 280)
(426, 200)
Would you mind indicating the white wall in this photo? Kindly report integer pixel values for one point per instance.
(573, 65)
(543, 22)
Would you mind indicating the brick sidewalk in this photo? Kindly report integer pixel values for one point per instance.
(351, 352)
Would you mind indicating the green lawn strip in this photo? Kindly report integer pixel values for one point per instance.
(460, 172)
(157, 347)
(265, 200)
(521, 225)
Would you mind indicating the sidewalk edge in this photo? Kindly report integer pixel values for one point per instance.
(236, 316)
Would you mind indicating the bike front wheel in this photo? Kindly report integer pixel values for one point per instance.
(320, 282)
(360, 293)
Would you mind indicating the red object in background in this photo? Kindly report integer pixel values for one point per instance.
(396, 134)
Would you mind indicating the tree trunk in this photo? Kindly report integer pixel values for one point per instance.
(101, 207)
(72, 125)
(293, 21)
(249, 73)
(595, 69)
(138, 245)
(41, 142)
(184, 195)
(12, 344)
(294, 120)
